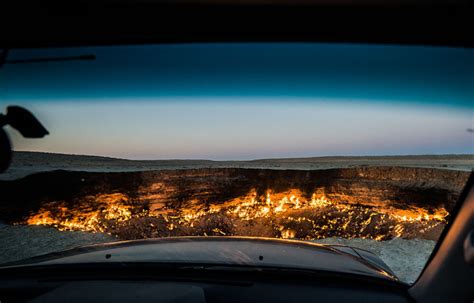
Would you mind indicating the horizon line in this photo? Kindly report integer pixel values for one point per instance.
(250, 160)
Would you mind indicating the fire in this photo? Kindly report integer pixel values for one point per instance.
(287, 214)
(111, 207)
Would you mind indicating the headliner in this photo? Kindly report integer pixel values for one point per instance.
(56, 23)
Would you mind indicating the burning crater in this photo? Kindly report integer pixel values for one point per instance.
(368, 202)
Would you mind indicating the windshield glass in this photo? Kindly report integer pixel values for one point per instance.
(365, 146)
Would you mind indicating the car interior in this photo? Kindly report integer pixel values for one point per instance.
(230, 269)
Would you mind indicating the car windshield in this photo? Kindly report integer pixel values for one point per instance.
(367, 146)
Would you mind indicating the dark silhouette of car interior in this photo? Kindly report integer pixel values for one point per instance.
(102, 274)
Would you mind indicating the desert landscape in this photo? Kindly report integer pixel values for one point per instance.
(395, 206)
(25, 163)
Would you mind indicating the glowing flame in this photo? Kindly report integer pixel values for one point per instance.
(291, 214)
(110, 207)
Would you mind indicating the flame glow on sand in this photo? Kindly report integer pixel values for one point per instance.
(288, 214)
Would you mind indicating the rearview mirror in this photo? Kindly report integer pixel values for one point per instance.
(23, 121)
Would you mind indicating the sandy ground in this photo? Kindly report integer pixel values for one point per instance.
(25, 163)
(24, 241)
(405, 257)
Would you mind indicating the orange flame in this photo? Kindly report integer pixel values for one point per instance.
(288, 211)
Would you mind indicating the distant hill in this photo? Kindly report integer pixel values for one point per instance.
(25, 163)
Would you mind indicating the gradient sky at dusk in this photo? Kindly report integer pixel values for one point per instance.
(247, 101)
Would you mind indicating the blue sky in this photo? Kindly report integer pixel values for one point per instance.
(248, 101)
